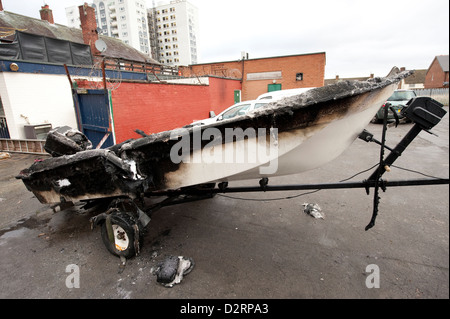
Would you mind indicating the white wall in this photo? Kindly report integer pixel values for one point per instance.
(30, 98)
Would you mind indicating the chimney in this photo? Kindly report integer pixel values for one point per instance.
(337, 77)
(46, 14)
(1, 5)
(371, 76)
(89, 27)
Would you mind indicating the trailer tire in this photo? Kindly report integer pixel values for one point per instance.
(128, 235)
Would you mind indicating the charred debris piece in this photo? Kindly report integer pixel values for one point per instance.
(313, 210)
(65, 140)
(172, 269)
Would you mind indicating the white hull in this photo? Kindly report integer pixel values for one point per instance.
(297, 150)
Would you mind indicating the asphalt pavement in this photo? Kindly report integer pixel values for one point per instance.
(249, 245)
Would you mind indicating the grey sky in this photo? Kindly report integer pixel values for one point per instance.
(359, 36)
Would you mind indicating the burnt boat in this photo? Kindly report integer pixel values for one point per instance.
(289, 136)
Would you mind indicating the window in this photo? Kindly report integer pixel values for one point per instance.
(401, 96)
(235, 111)
(299, 77)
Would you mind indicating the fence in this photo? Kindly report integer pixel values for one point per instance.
(22, 146)
(440, 95)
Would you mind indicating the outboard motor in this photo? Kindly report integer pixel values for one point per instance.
(424, 111)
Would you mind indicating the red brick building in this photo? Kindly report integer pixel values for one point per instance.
(437, 74)
(267, 74)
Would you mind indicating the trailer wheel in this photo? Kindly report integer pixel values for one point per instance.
(127, 235)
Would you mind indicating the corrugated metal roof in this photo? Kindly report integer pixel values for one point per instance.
(9, 22)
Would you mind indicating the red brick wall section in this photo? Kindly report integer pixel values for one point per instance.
(154, 108)
(435, 77)
(222, 93)
(311, 65)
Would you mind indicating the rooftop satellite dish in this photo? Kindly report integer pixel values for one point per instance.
(100, 45)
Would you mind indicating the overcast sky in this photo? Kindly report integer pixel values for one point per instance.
(359, 37)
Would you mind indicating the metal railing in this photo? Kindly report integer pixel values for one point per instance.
(136, 66)
(22, 146)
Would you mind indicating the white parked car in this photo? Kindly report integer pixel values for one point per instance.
(276, 95)
(237, 109)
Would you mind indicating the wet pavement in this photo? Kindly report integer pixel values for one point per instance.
(248, 249)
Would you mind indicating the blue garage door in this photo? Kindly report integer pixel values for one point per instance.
(93, 109)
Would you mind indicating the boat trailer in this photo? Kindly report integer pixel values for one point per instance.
(124, 222)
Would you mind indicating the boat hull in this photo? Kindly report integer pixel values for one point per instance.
(298, 150)
(290, 136)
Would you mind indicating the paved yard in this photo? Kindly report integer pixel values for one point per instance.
(249, 249)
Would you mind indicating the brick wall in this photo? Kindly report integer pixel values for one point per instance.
(312, 66)
(221, 94)
(153, 107)
(435, 77)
